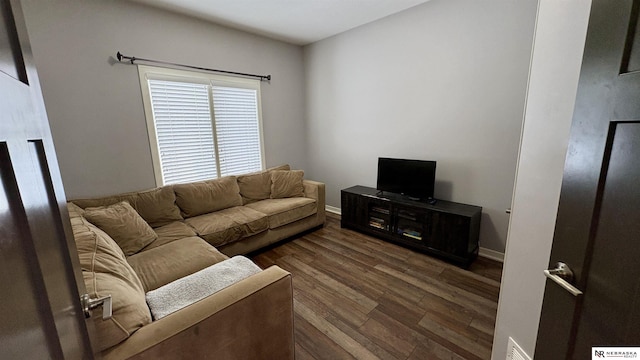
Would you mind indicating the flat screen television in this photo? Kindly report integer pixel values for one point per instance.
(412, 178)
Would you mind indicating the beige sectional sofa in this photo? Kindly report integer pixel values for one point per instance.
(137, 244)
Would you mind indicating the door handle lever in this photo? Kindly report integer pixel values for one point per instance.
(562, 275)
(89, 304)
(562, 270)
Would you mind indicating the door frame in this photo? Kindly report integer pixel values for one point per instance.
(553, 80)
(49, 204)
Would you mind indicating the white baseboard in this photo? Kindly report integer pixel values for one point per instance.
(491, 254)
(484, 252)
(333, 209)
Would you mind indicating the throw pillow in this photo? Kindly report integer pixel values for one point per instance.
(123, 224)
(286, 184)
(257, 186)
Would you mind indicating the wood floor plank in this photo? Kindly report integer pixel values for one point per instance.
(367, 342)
(484, 328)
(302, 353)
(330, 243)
(316, 343)
(392, 255)
(388, 337)
(358, 297)
(445, 291)
(332, 283)
(349, 275)
(466, 282)
(488, 268)
(454, 313)
(332, 332)
(400, 309)
(433, 351)
(456, 337)
(350, 311)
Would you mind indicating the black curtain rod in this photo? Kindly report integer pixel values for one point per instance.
(133, 58)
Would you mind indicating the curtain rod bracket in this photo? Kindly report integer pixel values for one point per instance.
(120, 56)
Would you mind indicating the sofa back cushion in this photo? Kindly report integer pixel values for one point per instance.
(123, 224)
(207, 196)
(106, 272)
(287, 184)
(74, 210)
(257, 186)
(156, 206)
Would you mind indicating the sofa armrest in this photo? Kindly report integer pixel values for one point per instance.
(313, 189)
(248, 320)
(316, 190)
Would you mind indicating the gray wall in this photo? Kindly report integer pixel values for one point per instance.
(95, 106)
(555, 66)
(442, 81)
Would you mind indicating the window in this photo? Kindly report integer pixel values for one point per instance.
(201, 126)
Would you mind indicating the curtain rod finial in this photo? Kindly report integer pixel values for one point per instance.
(119, 56)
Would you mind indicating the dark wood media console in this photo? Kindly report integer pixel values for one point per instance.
(445, 229)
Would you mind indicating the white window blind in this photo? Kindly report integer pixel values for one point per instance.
(183, 130)
(201, 126)
(237, 129)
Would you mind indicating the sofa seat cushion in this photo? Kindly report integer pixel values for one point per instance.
(229, 225)
(163, 264)
(171, 232)
(285, 211)
(197, 286)
(106, 272)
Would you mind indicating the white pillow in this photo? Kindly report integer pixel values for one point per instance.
(197, 286)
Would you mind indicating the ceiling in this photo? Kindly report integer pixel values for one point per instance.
(298, 22)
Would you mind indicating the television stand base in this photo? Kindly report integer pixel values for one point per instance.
(447, 230)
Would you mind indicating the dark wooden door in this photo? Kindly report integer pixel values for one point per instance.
(40, 281)
(598, 225)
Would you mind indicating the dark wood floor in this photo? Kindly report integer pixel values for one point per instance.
(359, 297)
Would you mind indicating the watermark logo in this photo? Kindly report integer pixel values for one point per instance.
(601, 352)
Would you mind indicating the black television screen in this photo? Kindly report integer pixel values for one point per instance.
(412, 178)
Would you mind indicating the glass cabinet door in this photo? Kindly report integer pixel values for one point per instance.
(412, 224)
(379, 216)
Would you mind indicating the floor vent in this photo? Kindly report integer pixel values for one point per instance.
(515, 352)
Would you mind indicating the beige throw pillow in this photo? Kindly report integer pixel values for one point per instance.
(123, 224)
(286, 184)
(257, 186)
(156, 206)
